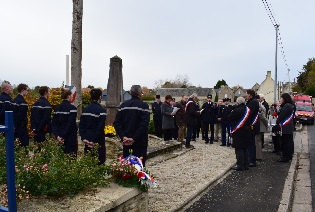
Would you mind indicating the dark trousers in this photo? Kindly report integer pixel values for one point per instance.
(175, 132)
(40, 137)
(168, 134)
(194, 133)
(158, 128)
(252, 149)
(225, 127)
(190, 130)
(206, 131)
(139, 151)
(21, 133)
(276, 143)
(242, 158)
(71, 144)
(287, 146)
(101, 152)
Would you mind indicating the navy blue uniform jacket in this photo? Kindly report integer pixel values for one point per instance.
(20, 108)
(64, 120)
(156, 109)
(210, 113)
(40, 116)
(92, 123)
(5, 105)
(224, 112)
(132, 121)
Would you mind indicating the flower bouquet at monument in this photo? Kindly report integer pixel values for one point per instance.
(129, 172)
(109, 131)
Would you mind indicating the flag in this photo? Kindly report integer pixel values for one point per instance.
(73, 90)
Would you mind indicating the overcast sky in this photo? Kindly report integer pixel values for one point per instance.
(157, 40)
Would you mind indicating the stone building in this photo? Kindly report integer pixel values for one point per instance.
(267, 88)
(177, 93)
(239, 92)
(226, 92)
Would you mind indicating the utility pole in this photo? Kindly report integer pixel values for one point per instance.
(276, 59)
(67, 70)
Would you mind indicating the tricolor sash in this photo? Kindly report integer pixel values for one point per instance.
(242, 121)
(286, 120)
(255, 120)
(188, 103)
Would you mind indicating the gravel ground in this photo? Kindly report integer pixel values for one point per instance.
(181, 177)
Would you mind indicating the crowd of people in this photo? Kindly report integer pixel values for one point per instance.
(242, 125)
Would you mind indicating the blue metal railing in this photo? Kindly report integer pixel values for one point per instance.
(10, 167)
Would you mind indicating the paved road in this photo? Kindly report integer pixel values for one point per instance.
(311, 140)
(258, 189)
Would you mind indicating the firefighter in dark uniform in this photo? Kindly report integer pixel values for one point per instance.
(40, 116)
(20, 108)
(5, 101)
(64, 125)
(131, 124)
(157, 116)
(224, 112)
(92, 123)
(209, 117)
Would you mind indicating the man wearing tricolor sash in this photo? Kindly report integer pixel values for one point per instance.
(240, 124)
(253, 105)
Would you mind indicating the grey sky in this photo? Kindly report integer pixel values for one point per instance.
(205, 40)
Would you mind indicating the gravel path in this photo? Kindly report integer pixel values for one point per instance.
(185, 175)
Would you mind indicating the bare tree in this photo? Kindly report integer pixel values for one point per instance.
(76, 52)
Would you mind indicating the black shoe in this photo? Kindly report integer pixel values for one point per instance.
(189, 146)
(206, 142)
(238, 168)
(252, 165)
(223, 145)
(228, 144)
(211, 142)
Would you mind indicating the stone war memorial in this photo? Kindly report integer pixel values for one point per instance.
(114, 89)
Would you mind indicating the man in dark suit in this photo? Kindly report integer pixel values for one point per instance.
(209, 117)
(157, 116)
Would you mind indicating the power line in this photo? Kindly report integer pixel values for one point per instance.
(272, 18)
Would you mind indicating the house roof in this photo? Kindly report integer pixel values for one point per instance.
(184, 91)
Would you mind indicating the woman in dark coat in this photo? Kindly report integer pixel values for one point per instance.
(167, 118)
(64, 123)
(240, 125)
(285, 124)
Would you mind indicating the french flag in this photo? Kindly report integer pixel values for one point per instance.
(73, 90)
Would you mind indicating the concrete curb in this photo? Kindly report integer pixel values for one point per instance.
(197, 193)
(288, 189)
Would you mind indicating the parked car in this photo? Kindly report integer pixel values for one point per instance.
(304, 112)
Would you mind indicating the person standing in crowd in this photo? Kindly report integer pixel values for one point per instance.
(191, 118)
(5, 100)
(92, 123)
(224, 113)
(264, 103)
(209, 117)
(40, 116)
(240, 123)
(167, 118)
(217, 126)
(131, 124)
(263, 122)
(64, 125)
(180, 119)
(20, 108)
(175, 129)
(285, 123)
(198, 126)
(157, 116)
(253, 105)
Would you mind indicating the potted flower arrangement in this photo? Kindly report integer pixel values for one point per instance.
(109, 131)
